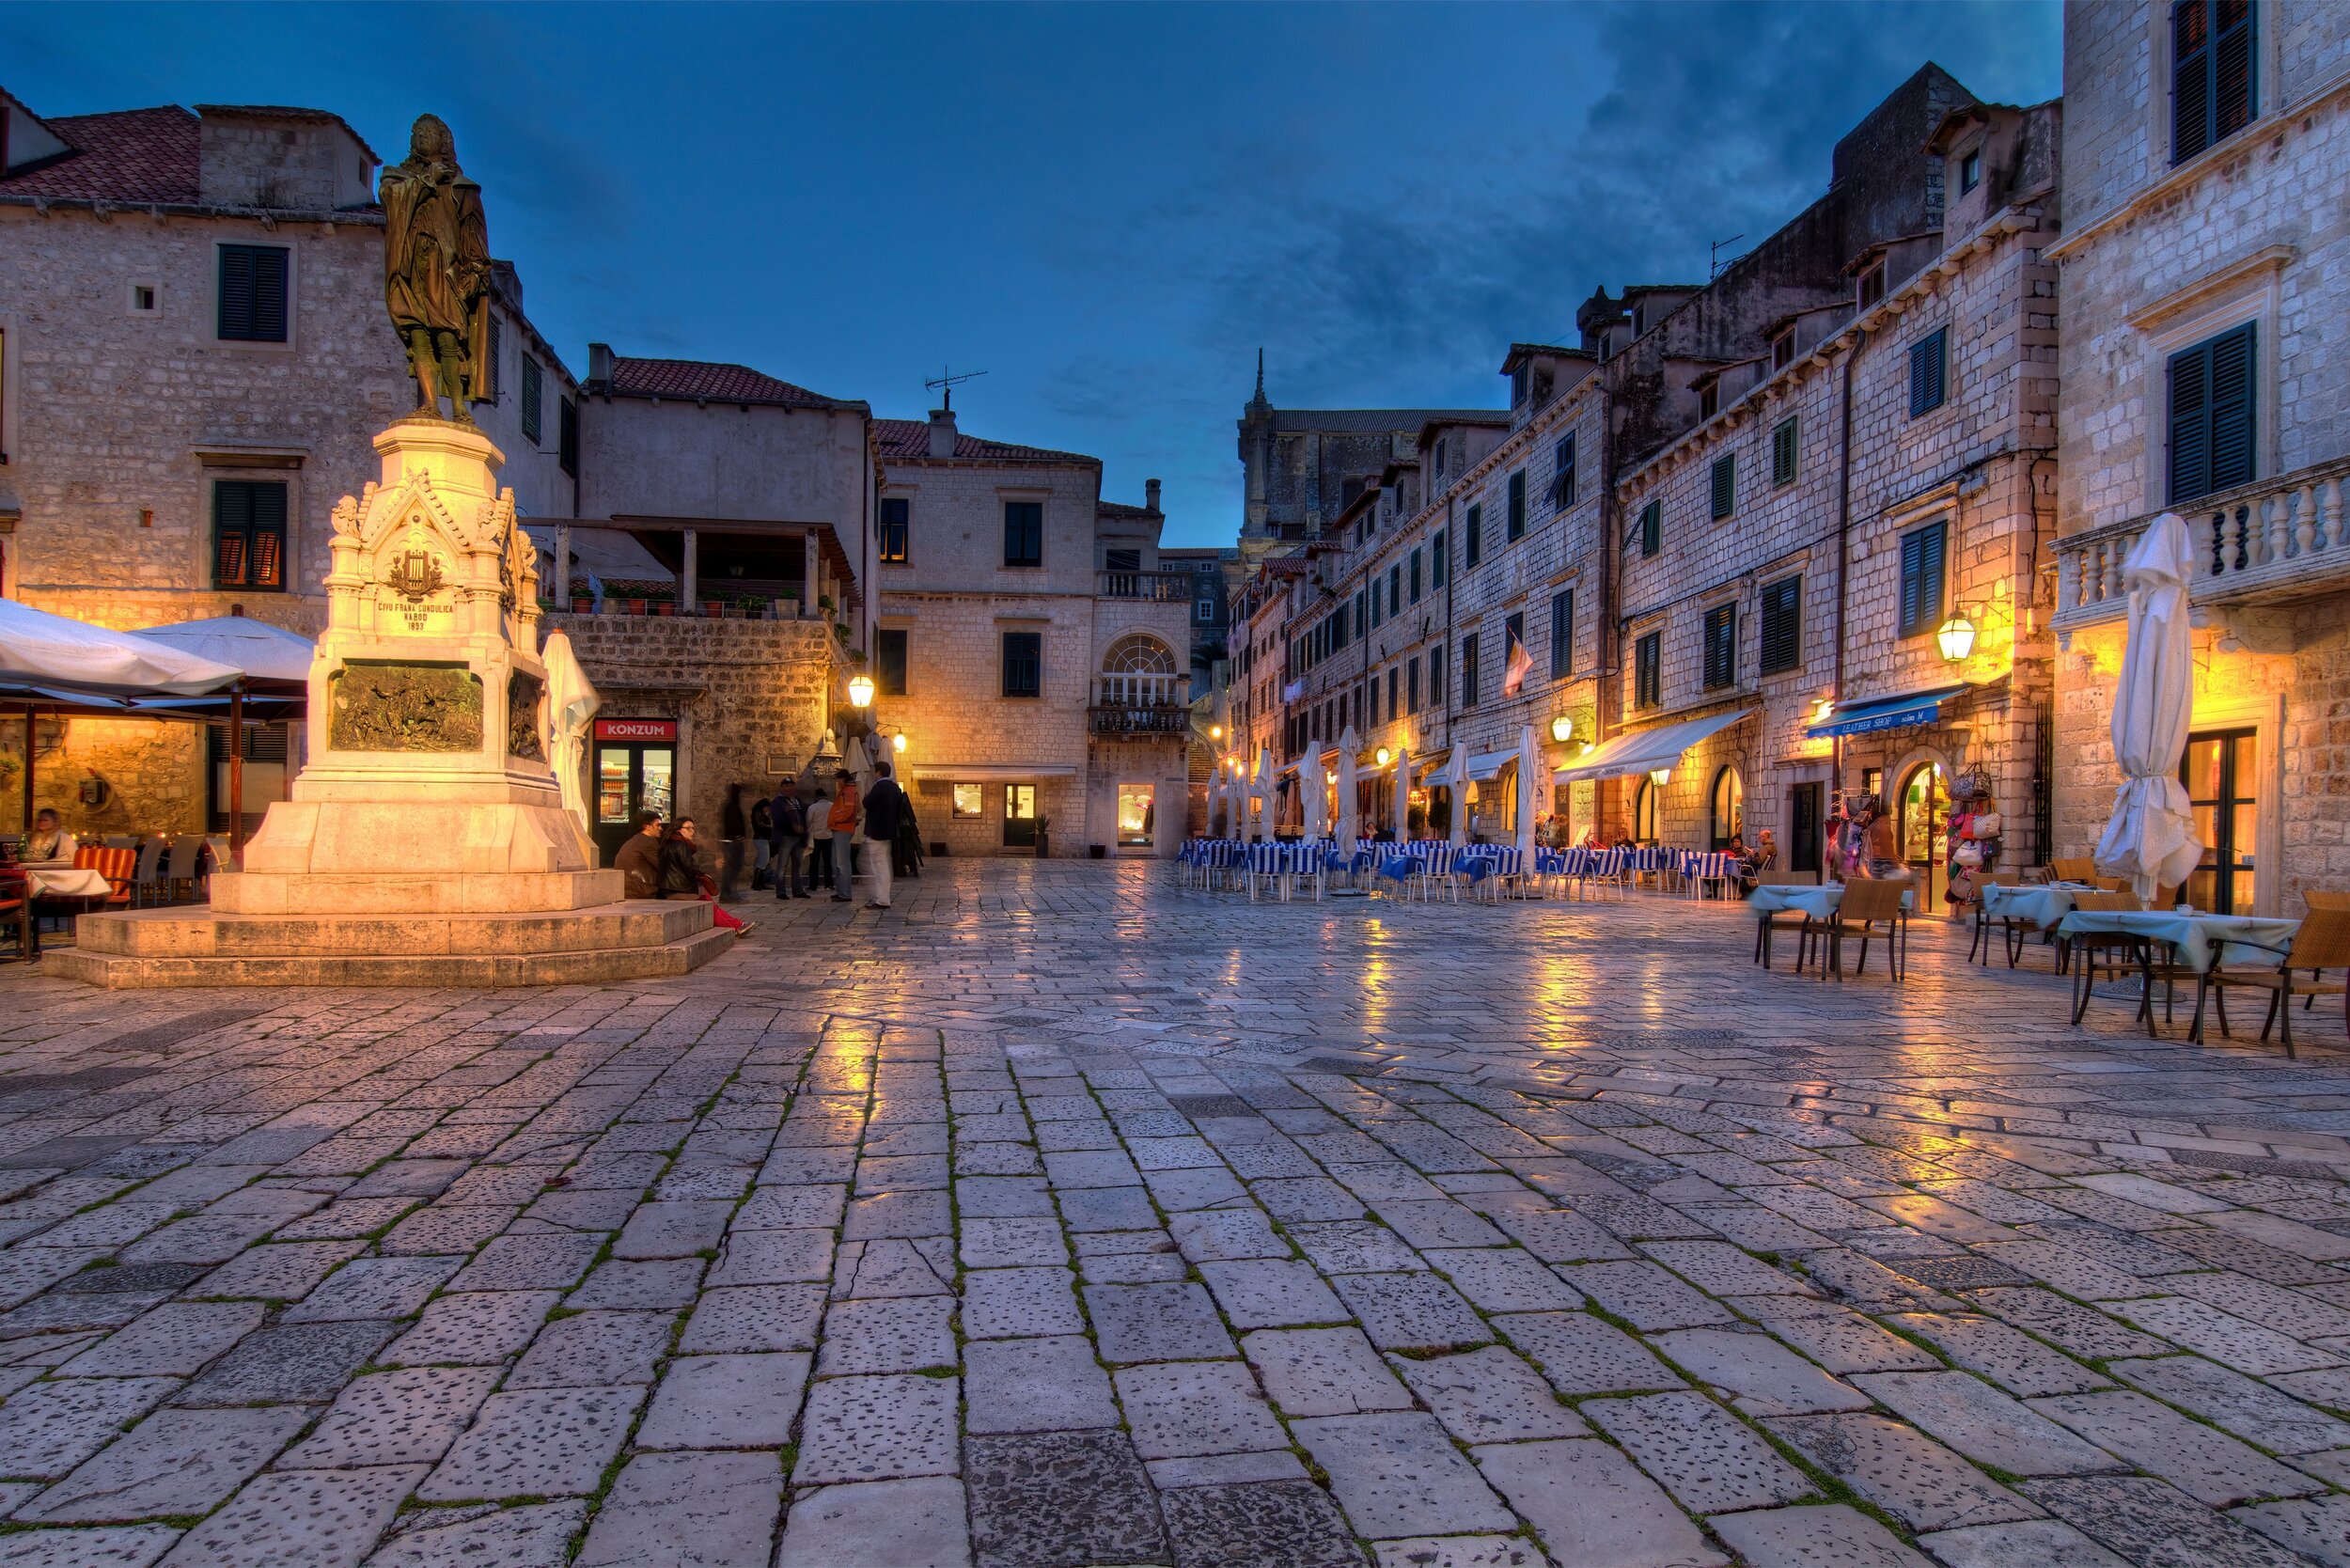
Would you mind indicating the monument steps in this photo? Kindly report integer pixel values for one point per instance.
(199, 933)
(323, 965)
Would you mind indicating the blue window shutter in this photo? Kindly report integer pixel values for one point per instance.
(1927, 361)
(2233, 414)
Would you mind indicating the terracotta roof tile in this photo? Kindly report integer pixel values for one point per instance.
(911, 438)
(719, 383)
(136, 156)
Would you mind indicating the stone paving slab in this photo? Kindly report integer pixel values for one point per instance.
(1149, 1229)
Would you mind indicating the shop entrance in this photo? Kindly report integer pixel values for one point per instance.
(1020, 816)
(2221, 773)
(1925, 806)
(1803, 827)
(636, 769)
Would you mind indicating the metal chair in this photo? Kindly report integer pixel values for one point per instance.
(180, 866)
(148, 880)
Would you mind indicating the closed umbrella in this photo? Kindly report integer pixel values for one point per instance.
(1348, 827)
(1456, 778)
(1313, 799)
(2152, 837)
(1265, 795)
(1529, 780)
(1403, 794)
(572, 702)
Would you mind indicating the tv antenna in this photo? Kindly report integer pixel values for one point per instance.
(944, 383)
(1714, 256)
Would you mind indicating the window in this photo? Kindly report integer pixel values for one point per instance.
(1372, 688)
(145, 299)
(496, 379)
(567, 436)
(1561, 633)
(1562, 473)
(1436, 677)
(1395, 589)
(1969, 172)
(889, 661)
(1024, 533)
(1416, 576)
(249, 533)
(2213, 74)
(1725, 485)
(1644, 812)
(1782, 625)
(1473, 537)
(2213, 421)
(1411, 685)
(1440, 458)
(534, 412)
(1929, 359)
(1727, 808)
(1204, 611)
(1439, 561)
(1375, 615)
(896, 512)
(1469, 670)
(1395, 674)
(253, 293)
(2221, 772)
(1122, 561)
(967, 800)
(1709, 399)
(1783, 350)
(1651, 528)
(1647, 671)
(1138, 815)
(1512, 650)
(1921, 578)
(1517, 505)
(1783, 452)
(1873, 284)
(1721, 647)
(1024, 664)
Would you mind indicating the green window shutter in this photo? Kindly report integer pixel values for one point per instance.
(1473, 537)
(1929, 362)
(2215, 418)
(534, 396)
(2214, 73)
(1721, 646)
(1517, 505)
(1468, 671)
(1725, 485)
(1651, 528)
(1783, 453)
(1922, 563)
(249, 533)
(1648, 671)
(252, 297)
(1782, 625)
(1561, 633)
(1439, 561)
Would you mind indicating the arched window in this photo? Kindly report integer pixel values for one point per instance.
(1644, 801)
(1728, 808)
(1139, 672)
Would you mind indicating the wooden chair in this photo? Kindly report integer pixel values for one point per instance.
(1870, 902)
(2080, 868)
(2316, 899)
(2322, 943)
(118, 865)
(16, 910)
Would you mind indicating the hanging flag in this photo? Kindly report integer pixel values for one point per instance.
(1513, 677)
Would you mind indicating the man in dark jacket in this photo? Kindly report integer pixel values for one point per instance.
(790, 859)
(884, 807)
(639, 859)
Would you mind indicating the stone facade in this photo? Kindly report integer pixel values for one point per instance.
(954, 601)
(2161, 257)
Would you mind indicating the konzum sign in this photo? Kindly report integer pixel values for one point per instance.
(637, 729)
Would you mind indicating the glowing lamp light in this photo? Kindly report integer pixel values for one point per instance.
(1330, 777)
(861, 691)
(1561, 729)
(1588, 747)
(1384, 755)
(1820, 714)
(898, 742)
(1215, 732)
(1660, 776)
(1957, 637)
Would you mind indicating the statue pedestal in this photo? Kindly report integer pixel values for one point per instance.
(426, 841)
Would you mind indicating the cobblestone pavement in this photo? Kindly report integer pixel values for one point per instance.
(1061, 1216)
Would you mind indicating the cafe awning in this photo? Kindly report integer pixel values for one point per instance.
(1644, 750)
(1886, 712)
(994, 773)
(60, 654)
(1484, 765)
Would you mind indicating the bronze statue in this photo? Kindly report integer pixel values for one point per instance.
(436, 271)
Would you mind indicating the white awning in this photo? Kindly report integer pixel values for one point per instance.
(1484, 765)
(1644, 750)
(994, 773)
(56, 652)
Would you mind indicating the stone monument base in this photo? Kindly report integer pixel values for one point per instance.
(636, 939)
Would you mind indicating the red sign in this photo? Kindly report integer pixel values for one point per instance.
(637, 729)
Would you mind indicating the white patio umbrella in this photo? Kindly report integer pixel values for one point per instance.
(262, 651)
(1456, 778)
(572, 702)
(2152, 837)
(1403, 794)
(1263, 786)
(56, 652)
(1530, 784)
(1348, 744)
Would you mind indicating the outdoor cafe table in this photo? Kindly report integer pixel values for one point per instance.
(65, 881)
(2200, 942)
(2038, 906)
(1818, 902)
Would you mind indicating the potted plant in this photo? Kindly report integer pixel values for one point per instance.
(713, 609)
(1096, 852)
(1043, 837)
(582, 603)
(663, 606)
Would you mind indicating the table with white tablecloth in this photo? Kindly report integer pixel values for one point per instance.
(65, 882)
(2039, 905)
(1819, 902)
(2198, 940)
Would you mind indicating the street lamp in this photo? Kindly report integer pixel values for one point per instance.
(1660, 776)
(1561, 729)
(1384, 753)
(1215, 732)
(861, 691)
(1957, 637)
(898, 742)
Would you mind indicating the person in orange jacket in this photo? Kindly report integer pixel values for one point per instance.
(844, 817)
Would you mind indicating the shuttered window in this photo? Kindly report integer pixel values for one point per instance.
(1024, 533)
(1782, 625)
(1416, 576)
(1721, 646)
(1923, 560)
(1517, 505)
(1439, 561)
(496, 378)
(2214, 73)
(1024, 664)
(1647, 671)
(896, 521)
(1651, 528)
(2214, 413)
(249, 534)
(1725, 485)
(1436, 677)
(1783, 452)
(1561, 633)
(534, 402)
(1473, 537)
(1929, 372)
(1468, 671)
(1562, 473)
(253, 293)
(1395, 589)
(567, 436)
(889, 661)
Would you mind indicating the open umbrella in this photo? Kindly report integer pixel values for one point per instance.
(267, 654)
(54, 652)
(2152, 837)
(1529, 782)
(1348, 829)
(1456, 778)
(1263, 786)
(1403, 794)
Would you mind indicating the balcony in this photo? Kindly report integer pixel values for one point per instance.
(1165, 587)
(1138, 704)
(2269, 543)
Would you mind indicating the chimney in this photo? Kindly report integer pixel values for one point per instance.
(600, 364)
(1150, 494)
(942, 432)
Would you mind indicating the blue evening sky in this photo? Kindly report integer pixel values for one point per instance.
(1107, 208)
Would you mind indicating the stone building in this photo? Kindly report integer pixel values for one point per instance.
(1303, 467)
(1032, 649)
(194, 359)
(2204, 266)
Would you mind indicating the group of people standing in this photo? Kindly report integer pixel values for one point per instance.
(1864, 840)
(822, 834)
